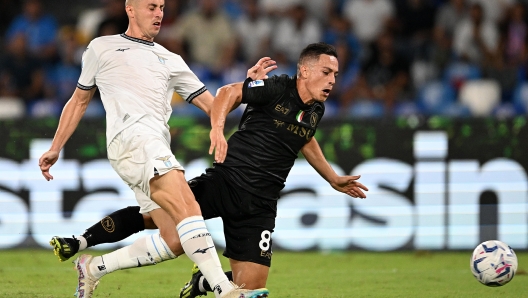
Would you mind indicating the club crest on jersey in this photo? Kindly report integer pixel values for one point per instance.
(314, 118)
(257, 83)
(162, 60)
(165, 160)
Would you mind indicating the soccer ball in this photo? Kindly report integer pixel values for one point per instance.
(493, 263)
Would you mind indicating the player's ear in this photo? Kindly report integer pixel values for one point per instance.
(304, 71)
(130, 11)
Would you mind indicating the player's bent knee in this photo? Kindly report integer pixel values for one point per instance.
(148, 222)
(174, 244)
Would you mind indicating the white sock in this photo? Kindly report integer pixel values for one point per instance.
(199, 247)
(201, 284)
(145, 251)
(83, 244)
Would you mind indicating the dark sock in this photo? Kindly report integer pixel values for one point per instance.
(115, 227)
(206, 285)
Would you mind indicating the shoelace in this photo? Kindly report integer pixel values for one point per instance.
(237, 287)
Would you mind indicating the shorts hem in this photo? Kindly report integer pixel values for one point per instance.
(242, 259)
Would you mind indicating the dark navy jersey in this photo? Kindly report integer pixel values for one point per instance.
(274, 127)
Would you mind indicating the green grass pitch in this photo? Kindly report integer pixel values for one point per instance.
(38, 273)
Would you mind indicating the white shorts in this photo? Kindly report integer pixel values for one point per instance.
(137, 154)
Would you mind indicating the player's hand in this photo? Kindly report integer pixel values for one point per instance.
(218, 144)
(261, 69)
(48, 159)
(350, 186)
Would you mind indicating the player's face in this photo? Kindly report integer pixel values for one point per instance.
(321, 77)
(148, 15)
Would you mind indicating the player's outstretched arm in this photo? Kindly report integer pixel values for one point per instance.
(227, 97)
(70, 117)
(345, 184)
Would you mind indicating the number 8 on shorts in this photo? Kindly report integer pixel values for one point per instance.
(264, 244)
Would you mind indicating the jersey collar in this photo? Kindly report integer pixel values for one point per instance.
(148, 43)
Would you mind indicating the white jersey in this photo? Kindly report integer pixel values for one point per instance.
(136, 78)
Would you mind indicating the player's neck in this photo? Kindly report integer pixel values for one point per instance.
(135, 32)
(305, 96)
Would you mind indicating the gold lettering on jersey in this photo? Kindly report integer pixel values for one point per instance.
(303, 132)
(265, 254)
(300, 131)
(293, 128)
(282, 109)
(278, 123)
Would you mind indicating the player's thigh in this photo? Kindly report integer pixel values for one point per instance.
(173, 194)
(253, 275)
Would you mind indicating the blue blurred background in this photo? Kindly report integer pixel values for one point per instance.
(459, 58)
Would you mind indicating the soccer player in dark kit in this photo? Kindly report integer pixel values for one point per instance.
(250, 170)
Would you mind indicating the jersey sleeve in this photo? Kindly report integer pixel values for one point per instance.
(185, 82)
(89, 69)
(262, 92)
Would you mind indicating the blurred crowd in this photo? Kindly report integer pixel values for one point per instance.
(459, 58)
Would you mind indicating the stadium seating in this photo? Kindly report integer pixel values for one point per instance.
(506, 110)
(480, 96)
(367, 109)
(457, 73)
(407, 108)
(435, 96)
(520, 97)
(11, 108)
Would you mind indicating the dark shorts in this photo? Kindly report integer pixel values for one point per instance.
(248, 220)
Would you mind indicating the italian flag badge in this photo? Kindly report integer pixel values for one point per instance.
(300, 116)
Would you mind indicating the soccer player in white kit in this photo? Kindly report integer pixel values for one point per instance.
(136, 78)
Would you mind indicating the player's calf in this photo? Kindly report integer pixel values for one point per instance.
(112, 228)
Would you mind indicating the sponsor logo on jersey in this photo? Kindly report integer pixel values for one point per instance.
(122, 50)
(266, 254)
(278, 123)
(300, 131)
(165, 160)
(282, 109)
(257, 83)
(108, 224)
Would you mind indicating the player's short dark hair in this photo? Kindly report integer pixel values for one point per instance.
(314, 50)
